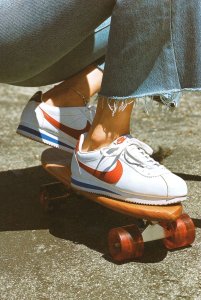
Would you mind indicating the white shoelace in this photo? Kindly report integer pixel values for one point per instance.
(129, 148)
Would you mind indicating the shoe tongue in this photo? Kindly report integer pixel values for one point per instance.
(125, 138)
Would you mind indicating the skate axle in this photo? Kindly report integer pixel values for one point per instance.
(153, 232)
(53, 196)
(167, 223)
(127, 242)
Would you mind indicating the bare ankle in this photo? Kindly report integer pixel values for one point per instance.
(64, 98)
(77, 90)
(98, 139)
(106, 127)
(92, 145)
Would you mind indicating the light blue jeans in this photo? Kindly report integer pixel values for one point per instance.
(152, 47)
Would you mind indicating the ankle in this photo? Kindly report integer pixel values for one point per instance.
(69, 97)
(98, 139)
(92, 144)
(77, 90)
(106, 128)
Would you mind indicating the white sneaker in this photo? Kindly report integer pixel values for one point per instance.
(59, 127)
(124, 170)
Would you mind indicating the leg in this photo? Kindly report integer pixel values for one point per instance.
(140, 63)
(50, 32)
(91, 50)
(107, 160)
(106, 128)
(88, 81)
(108, 166)
(70, 92)
(156, 51)
(67, 94)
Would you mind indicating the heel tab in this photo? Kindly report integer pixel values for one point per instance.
(37, 97)
(80, 141)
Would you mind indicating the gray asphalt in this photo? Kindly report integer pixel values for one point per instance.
(64, 255)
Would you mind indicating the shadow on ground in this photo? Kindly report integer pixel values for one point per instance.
(189, 177)
(80, 221)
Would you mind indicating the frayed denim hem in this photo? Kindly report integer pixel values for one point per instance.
(169, 97)
(116, 106)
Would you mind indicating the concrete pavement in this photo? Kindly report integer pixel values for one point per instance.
(64, 255)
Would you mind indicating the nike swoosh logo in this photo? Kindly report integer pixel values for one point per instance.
(75, 133)
(106, 176)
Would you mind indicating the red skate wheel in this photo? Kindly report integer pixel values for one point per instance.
(125, 243)
(180, 233)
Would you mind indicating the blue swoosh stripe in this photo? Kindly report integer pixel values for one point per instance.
(93, 187)
(43, 136)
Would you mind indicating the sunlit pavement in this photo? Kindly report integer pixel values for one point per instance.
(64, 255)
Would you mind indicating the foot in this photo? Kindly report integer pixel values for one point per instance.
(58, 127)
(124, 170)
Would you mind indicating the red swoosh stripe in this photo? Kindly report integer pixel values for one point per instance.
(75, 133)
(109, 177)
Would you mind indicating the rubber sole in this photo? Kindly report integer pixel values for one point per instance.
(127, 198)
(44, 137)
